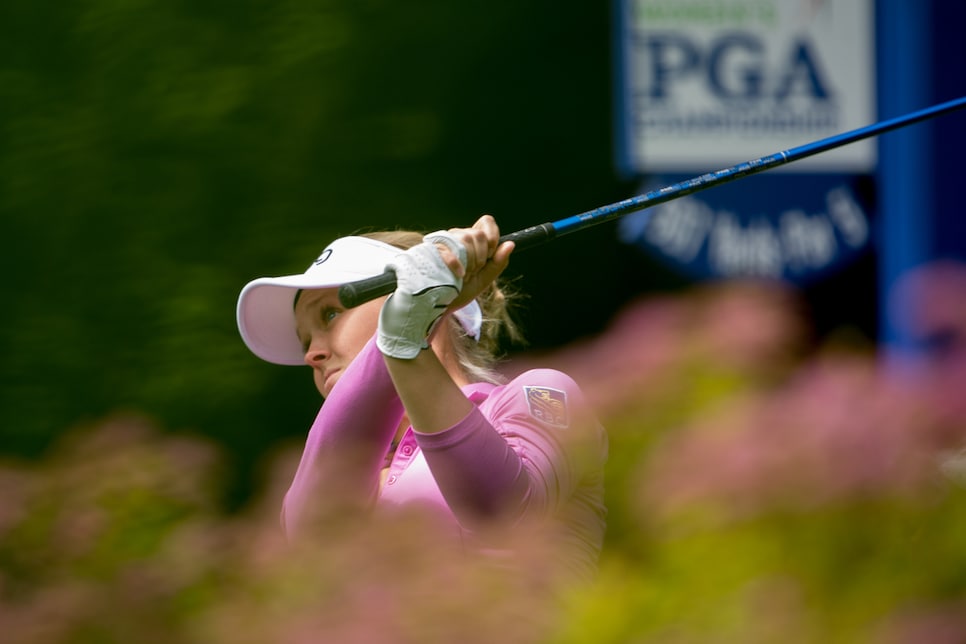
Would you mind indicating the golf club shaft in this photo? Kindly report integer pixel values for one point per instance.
(355, 293)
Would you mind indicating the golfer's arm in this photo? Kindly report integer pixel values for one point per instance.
(433, 402)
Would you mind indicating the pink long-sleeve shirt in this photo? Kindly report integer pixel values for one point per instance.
(529, 449)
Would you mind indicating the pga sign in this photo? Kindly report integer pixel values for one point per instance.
(705, 84)
(735, 67)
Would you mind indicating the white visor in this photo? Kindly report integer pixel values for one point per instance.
(266, 306)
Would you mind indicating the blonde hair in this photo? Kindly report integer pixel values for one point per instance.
(478, 359)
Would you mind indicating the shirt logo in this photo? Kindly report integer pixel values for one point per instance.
(548, 405)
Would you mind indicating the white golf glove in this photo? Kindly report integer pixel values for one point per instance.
(425, 286)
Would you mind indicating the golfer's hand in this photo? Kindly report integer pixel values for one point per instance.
(486, 258)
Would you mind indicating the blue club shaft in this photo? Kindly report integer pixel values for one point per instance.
(356, 293)
(677, 190)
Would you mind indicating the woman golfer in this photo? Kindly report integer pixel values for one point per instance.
(414, 412)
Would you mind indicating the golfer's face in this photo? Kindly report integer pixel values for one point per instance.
(331, 335)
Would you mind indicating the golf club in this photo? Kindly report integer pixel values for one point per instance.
(356, 293)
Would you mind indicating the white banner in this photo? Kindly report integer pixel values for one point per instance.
(710, 83)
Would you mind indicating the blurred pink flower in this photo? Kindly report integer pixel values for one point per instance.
(942, 624)
(931, 300)
(838, 431)
(751, 328)
(928, 304)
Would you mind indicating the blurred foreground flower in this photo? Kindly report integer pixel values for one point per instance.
(807, 503)
(117, 538)
(83, 534)
(837, 432)
(755, 494)
(657, 347)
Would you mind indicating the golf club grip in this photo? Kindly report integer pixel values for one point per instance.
(359, 292)
(353, 294)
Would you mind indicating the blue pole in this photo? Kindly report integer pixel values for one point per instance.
(905, 196)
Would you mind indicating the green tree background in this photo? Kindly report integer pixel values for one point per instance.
(157, 155)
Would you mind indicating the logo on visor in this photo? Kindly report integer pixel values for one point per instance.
(548, 405)
(326, 254)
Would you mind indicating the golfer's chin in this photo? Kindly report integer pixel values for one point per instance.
(325, 383)
(320, 386)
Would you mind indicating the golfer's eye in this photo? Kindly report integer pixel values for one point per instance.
(329, 314)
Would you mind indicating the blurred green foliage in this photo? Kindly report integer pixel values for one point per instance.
(755, 494)
(155, 156)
